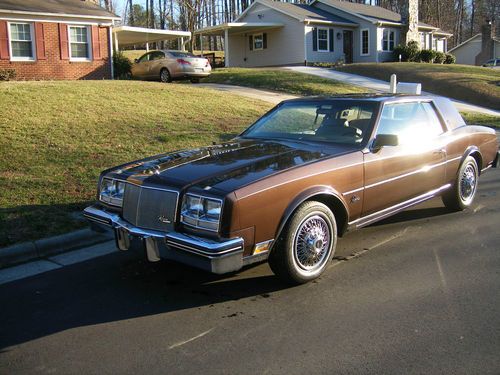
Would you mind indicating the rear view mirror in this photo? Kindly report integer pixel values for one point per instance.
(385, 140)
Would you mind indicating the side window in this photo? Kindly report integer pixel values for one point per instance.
(411, 122)
(157, 55)
(144, 58)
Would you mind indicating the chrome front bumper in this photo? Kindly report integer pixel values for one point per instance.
(214, 256)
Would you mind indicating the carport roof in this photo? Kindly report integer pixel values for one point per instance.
(238, 27)
(129, 35)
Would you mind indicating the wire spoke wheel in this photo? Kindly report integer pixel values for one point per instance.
(307, 244)
(468, 183)
(312, 242)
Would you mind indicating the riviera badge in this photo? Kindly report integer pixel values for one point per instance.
(163, 219)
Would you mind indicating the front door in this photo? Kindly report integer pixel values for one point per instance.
(396, 174)
(348, 46)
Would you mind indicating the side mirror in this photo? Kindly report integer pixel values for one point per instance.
(136, 60)
(384, 140)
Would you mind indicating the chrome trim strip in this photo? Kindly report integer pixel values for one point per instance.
(368, 219)
(353, 191)
(192, 249)
(485, 169)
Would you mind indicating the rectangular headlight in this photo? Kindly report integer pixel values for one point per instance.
(111, 192)
(201, 212)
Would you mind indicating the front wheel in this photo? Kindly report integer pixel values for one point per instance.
(463, 191)
(165, 76)
(307, 245)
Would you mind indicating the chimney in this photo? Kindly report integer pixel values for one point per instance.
(409, 18)
(488, 32)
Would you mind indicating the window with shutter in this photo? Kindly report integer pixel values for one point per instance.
(22, 46)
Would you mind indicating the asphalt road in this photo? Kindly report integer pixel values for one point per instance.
(420, 295)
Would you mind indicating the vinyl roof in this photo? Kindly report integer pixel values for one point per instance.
(66, 7)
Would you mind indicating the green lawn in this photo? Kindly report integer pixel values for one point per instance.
(58, 136)
(475, 85)
(281, 80)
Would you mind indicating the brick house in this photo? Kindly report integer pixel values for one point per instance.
(56, 39)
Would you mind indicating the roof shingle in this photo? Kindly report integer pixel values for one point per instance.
(75, 7)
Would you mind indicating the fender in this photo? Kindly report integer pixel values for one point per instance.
(470, 150)
(305, 195)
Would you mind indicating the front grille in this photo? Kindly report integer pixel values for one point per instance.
(149, 208)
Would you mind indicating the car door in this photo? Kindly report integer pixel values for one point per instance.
(141, 68)
(415, 166)
(157, 62)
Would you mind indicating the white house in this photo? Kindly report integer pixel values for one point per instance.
(272, 33)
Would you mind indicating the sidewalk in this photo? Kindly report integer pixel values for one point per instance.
(377, 85)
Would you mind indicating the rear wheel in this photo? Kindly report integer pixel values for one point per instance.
(195, 80)
(165, 76)
(307, 245)
(463, 191)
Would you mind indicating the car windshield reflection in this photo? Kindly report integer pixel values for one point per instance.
(337, 121)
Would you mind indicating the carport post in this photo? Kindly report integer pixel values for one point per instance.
(226, 49)
(147, 47)
(116, 42)
(182, 44)
(201, 44)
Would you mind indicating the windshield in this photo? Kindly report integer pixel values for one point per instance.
(337, 121)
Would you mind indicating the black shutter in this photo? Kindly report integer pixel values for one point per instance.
(250, 40)
(264, 40)
(315, 39)
(331, 40)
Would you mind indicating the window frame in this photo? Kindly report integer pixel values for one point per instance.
(327, 39)
(262, 41)
(389, 33)
(32, 40)
(367, 53)
(89, 44)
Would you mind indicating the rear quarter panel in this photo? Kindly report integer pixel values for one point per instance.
(464, 139)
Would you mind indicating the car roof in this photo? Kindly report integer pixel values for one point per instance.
(382, 97)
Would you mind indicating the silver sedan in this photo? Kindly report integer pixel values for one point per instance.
(169, 65)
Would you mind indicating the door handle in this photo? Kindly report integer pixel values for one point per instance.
(441, 151)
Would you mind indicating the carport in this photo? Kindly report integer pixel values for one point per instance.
(130, 35)
(235, 28)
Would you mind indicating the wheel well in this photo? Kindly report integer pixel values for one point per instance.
(479, 160)
(337, 208)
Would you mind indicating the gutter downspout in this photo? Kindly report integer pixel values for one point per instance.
(305, 42)
(110, 43)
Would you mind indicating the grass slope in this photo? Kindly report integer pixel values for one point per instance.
(58, 136)
(471, 84)
(281, 80)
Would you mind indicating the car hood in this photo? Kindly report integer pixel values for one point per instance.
(225, 167)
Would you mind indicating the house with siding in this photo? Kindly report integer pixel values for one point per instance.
(273, 33)
(480, 48)
(56, 39)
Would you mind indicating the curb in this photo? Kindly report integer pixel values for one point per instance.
(43, 248)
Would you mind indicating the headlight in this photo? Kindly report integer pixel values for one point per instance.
(201, 212)
(111, 192)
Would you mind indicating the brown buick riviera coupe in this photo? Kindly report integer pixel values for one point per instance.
(303, 174)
